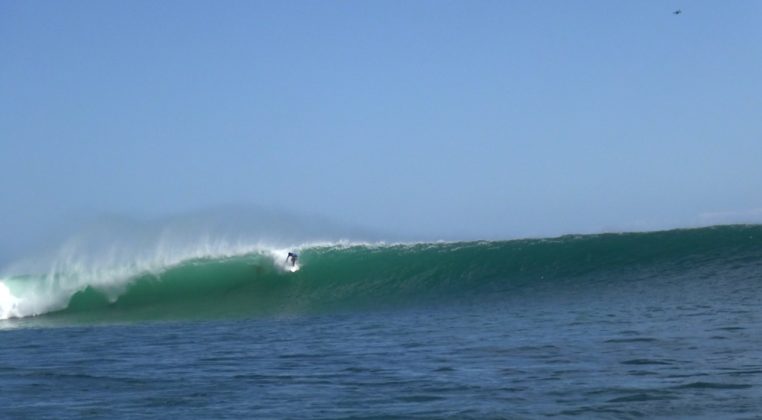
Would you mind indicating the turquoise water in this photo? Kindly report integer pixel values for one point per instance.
(618, 325)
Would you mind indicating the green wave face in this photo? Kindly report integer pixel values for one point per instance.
(366, 277)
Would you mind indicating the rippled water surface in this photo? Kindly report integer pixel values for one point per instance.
(690, 347)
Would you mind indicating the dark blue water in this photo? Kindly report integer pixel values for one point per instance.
(686, 345)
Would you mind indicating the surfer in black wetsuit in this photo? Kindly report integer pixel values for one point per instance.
(292, 257)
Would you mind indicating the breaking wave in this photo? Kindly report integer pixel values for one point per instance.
(222, 279)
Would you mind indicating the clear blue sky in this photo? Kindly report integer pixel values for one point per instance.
(433, 118)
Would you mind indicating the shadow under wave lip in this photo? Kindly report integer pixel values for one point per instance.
(632, 340)
(644, 396)
(647, 362)
(711, 385)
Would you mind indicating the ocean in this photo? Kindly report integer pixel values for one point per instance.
(625, 325)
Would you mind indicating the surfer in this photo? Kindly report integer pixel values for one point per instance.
(292, 257)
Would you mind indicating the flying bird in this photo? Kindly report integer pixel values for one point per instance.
(677, 12)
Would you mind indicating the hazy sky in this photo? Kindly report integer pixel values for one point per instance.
(434, 118)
